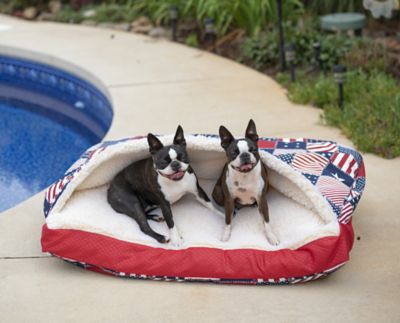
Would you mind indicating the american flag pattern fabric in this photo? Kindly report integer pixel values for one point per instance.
(345, 162)
(322, 147)
(333, 190)
(309, 162)
(336, 171)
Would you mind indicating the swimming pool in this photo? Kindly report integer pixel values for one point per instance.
(48, 117)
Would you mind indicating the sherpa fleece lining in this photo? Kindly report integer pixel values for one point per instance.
(299, 214)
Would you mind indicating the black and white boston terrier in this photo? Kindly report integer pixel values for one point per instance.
(157, 181)
(244, 180)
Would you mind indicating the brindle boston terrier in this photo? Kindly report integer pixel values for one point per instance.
(244, 180)
(158, 181)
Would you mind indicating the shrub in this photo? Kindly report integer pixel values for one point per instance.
(114, 13)
(69, 15)
(319, 91)
(330, 6)
(9, 7)
(367, 54)
(334, 49)
(371, 115)
(261, 50)
(191, 40)
(252, 16)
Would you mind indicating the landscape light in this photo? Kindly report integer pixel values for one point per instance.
(339, 73)
(317, 55)
(209, 26)
(173, 18)
(210, 31)
(290, 54)
(281, 38)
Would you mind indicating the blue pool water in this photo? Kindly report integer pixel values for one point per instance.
(48, 118)
(35, 151)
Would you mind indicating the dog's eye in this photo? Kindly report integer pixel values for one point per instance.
(166, 161)
(236, 152)
(253, 149)
(182, 157)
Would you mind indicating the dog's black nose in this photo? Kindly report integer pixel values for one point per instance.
(175, 165)
(245, 158)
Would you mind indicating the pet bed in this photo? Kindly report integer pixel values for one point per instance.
(315, 187)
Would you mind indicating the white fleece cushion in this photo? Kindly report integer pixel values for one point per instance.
(294, 224)
(298, 213)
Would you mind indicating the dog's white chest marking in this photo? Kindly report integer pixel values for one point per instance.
(246, 187)
(174, 190)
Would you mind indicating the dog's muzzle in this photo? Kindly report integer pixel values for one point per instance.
(245, 168)
(175, 176)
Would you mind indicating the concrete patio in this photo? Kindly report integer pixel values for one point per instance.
(154, 86)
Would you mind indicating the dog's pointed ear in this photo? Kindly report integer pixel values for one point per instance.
(226, 137)
(154, 143)
(251, 131)
(179, 138)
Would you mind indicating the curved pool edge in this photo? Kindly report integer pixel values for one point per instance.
(18, 63)
(47, 59)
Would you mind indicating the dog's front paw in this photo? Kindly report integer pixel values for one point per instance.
(226, 234)
(175, 237)
(160, 238)
(177, 242)
(272, 239)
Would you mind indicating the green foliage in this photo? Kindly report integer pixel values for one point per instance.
(303, 36)
(192, 41)
(333, 47)
(371, 115)
(250, 15)
(319, 90)
(114, 13)
(253, 16)
(334, 50)
(10, 6)
(28, 3)
(261, 50)
(156, 10)
(331, 6)
(367, 54)
(69, 16)
(221, 11)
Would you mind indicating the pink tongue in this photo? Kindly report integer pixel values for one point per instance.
(246, 167)
(177, 175)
